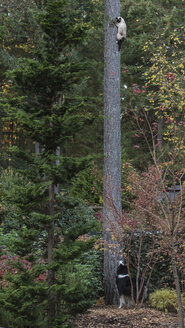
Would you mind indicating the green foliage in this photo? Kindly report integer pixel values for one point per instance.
(41, 99)
(88, 185)
(24, 219)
(126, 189)
(151, 25)
(57, 13)
(162, 274)
(148, 245)
(76, 264)
(165, 300)
(80, 282)
(40, 96)
(7, 239)
(18, 189)
(24, 298)
(7, 319)
(93, 259)
(72, 226)
(37, 83)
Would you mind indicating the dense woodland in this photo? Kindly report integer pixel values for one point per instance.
(52, 157)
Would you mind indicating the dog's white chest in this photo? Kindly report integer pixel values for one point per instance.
(122, 275)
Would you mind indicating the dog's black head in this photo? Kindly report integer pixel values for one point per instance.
(118, 19)
(122, 268)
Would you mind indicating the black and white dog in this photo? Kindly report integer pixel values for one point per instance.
(122, 31)
(124, 286)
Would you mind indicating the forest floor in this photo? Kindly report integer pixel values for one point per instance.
(112, 317)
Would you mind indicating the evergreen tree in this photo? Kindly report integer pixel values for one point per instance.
(36, 84)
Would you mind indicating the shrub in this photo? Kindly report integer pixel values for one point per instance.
(165, 300)
(76, 264)
(88, 185)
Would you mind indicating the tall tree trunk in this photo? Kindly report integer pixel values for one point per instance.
(51, 275)
(37, 148)
(177, 286)
(56, 188)
(112, 147)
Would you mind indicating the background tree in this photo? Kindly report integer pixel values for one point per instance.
(36, 83)
(160, 194)
(150, 25)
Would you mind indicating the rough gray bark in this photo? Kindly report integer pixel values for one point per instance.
(37, 148)
(112, 147)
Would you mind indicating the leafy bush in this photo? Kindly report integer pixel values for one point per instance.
(80, 288)
(165, 300)
(76, 264)
(162, 276)
(88, 185)
(23, 292)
